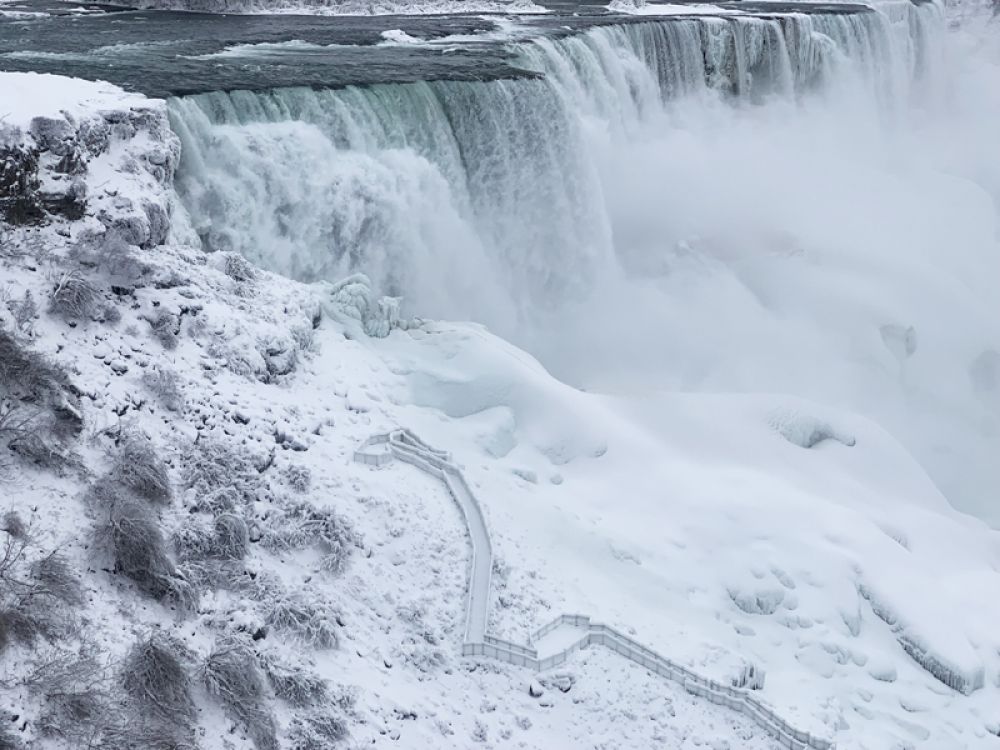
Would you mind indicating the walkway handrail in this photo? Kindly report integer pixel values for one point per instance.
(406, 446)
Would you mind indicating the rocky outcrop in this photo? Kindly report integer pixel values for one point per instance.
(66, 168)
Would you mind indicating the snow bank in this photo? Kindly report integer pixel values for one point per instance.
(25, 96)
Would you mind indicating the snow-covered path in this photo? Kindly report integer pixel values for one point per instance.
(571, 632)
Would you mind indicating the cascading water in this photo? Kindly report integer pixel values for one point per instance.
(490, 180)
(702, 203)
(424, 186)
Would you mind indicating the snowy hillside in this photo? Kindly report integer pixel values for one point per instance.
(202, 547)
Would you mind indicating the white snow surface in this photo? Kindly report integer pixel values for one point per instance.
(697, 522)
(29, 95)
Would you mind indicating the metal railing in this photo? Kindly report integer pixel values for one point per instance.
(406, 446)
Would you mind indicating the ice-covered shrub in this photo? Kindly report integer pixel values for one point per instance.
(74, 716)
(27, 375)
(108, 313)
(14, 525)
(105, 493)
(232, 536)
(164, 384)
(54, 577)
(298, 477)
(39, 413)
(140, 553)
(231, 675)
(73, 297)
(24, 311)
(213, 464)
(41, 449)
(137, 465)
(165, 328)
(213, 573)
(225, 539)
(18, 423)
(294, 683)
(194, 539)
(35, 594)
(238, 268)
(77, 707)
(24, 625)
(303, 525)
(155, 675)
(317, 730)
(313, 622)
(109, 251)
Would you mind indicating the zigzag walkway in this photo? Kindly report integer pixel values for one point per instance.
(404, 445)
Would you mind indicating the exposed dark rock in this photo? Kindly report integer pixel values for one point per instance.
(19, 200)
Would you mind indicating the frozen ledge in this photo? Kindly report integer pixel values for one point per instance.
(402, 444)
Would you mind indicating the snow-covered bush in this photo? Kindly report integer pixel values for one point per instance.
(38, 447)
(36, 595)
(225, 539)
(236, 267)
(136, 465)
(108, 313)
(23, 311)
(303, 525)
(26, 374)
(164, 384)
(165, 328)
(108, 251)
(140, 552)
(317, 730)
(73, 297)
(73, 716)
(298, 477)
(314, 622)
(30, 383)
(214, 466)
(14, 525)
(231, 675)
(294, 683)
(76, 703)
(155, 674)
(53, 575)
(231, 536)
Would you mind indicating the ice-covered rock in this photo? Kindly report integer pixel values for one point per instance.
(80, 155)
(352, 299)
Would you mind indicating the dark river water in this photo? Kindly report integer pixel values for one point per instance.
(164, 53)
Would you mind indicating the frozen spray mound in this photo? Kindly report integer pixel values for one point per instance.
(835, 567)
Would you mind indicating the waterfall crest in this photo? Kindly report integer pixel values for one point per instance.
(427, 186)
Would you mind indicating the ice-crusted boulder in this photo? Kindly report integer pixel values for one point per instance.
(93, 151)
(352, 299)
